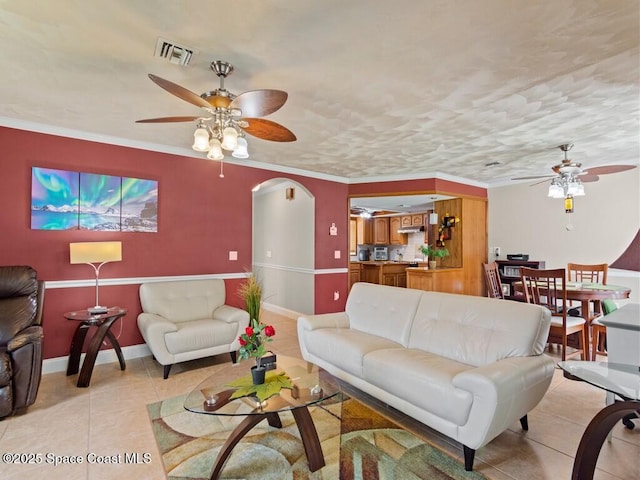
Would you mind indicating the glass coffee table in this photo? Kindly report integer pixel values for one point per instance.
(617, 378)
(310, 385)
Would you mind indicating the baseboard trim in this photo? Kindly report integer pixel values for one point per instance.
(59, 364)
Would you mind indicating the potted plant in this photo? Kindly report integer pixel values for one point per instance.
(257, 334)
(432, 253)
(251, 292)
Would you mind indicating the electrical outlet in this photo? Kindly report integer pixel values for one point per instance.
(496, 251)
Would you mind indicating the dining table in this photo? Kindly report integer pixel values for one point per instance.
(586, 293)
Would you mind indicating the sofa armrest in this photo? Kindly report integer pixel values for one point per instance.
(230, 314)
(153, 327)
(325, 320)
(503, 392)
(28, 335)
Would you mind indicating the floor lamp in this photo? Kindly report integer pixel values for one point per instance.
(95, 254)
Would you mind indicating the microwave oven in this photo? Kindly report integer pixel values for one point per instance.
(381, 253)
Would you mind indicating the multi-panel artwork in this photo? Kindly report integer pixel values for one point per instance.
(66, 200)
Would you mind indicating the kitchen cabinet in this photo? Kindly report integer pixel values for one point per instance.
(353, 236)
(354, 273)
(396, 238)
(381, 231)
(364, 231)
(413, 220)
(447, 280)
(384, 273)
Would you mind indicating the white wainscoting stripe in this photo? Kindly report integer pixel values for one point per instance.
(138, 280)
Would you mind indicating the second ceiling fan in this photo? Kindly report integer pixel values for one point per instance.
(570, 170)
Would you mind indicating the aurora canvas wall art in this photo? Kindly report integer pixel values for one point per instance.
(64, 200)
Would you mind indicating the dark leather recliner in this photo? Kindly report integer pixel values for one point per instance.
(21, 337)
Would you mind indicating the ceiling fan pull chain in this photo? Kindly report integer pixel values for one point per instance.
(221, 169)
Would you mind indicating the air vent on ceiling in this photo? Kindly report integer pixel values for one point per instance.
(178, 54)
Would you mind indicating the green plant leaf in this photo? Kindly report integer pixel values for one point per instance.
(273, 383)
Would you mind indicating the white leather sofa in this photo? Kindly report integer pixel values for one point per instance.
(466, 366)
(185, 320)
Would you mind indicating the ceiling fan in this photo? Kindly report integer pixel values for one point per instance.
(569, 171)
(227, 116)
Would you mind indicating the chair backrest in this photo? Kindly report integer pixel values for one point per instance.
(587, 273)
(492, 278)
(21, 299)
(546, 287)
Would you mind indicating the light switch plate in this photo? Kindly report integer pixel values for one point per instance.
(233, 255)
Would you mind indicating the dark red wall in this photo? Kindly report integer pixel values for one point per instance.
(201, 218)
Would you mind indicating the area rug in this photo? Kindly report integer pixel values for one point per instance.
(357, 443)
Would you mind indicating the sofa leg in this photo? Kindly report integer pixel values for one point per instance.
(167, 369)
(234, 356)
(469, 453)
(525, 423)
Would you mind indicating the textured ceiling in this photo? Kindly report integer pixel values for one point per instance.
(377, 89)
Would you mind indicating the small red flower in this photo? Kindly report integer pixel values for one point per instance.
(249, 331)
(242, 342)
(269, 331)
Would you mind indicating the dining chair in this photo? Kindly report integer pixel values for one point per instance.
(582, 273)
(492, 279)
(549, 289)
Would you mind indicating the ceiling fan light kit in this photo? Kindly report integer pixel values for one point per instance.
(228, 117)
(568, 180)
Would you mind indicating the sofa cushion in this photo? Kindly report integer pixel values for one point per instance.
(383, 311)
(422, 379)
(199, 334)
(345, 348)
(183, 301)
(478, 330)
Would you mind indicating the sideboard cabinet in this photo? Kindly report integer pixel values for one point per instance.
(510, 272)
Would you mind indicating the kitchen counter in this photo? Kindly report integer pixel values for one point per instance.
(448, 280)
(384, 272)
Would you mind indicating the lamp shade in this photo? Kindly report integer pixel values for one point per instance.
(433, 218)
(200, 140)
(95, 252)
(215, 150)
(556, 191)
(229, 138)
(241, 150)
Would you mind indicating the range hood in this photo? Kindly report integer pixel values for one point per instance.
(416, 229)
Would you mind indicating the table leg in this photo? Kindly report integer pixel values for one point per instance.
(76, 348)
(92, 352)
(116, 346)
(587, 317)
(238, 433)
(591, 443)
(310, 439)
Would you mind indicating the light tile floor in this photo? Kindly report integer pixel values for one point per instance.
(109, 419)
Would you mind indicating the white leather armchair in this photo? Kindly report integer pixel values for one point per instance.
(185, 320)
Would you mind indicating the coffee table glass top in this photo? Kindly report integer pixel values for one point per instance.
(618, 378)
(310, 383)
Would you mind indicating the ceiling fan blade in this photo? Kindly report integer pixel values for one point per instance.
(180, 92)
(604, 170)
(259, 103)
(268, 130)
(586, 178)
(167, 119)
(538, 183)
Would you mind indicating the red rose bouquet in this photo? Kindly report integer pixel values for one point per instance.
(254, 339)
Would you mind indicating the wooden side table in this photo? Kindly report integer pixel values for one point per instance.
(103, 323)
